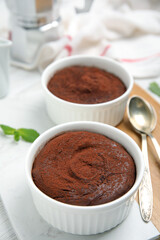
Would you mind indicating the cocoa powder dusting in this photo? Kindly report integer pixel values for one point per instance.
(83, 168)
(85, 85)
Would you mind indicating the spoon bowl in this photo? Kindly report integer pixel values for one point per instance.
(141, 115)
(143, 118)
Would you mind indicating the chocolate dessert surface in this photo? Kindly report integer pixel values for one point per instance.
(85, 85)
(83, 168)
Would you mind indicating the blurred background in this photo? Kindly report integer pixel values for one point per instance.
(91, 24)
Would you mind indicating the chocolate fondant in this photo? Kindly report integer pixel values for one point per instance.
(85, 85)
(83, 168)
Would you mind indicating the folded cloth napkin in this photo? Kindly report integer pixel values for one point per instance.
(114, 29)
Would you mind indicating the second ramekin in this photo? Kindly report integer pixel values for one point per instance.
(61, 111)
(84, 220)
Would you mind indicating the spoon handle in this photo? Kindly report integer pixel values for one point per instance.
(156, 144)
(145, 189)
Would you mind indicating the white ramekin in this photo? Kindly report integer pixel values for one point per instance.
(61, 111)
(84, 220)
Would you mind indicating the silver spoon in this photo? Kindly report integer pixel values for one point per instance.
(143, 118)
(139, 115)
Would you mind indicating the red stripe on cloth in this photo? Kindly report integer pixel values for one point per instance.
(69, 37)
(69, 49)
(10, 35)
(103, 53)
(139, 59)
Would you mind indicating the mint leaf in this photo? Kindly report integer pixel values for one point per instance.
(28, 135)
(154, 87)
(16, 136)
(7, 130)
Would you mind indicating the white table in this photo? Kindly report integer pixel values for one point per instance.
(21, 83)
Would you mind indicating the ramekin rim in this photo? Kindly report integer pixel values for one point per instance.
(112, 102)
(109, 205)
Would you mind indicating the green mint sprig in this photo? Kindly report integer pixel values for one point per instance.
(155, 88)
(29, 135)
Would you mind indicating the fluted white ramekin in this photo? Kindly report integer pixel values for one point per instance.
(61, 111)
(84, 220)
